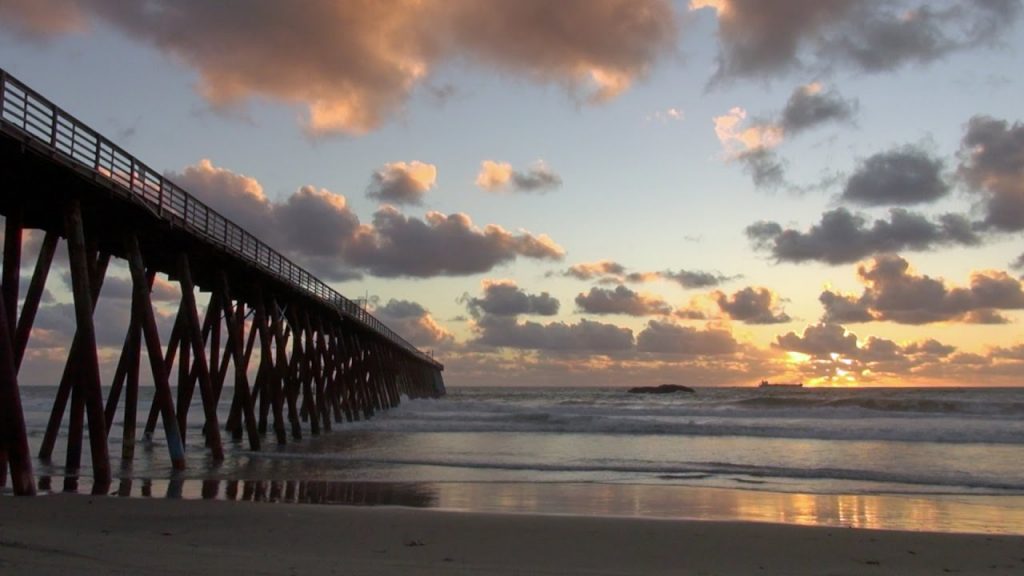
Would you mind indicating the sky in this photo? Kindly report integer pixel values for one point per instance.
(587, 192)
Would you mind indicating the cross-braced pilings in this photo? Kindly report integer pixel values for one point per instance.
(300, 355)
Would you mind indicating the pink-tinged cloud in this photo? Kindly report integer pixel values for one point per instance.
(414, 323)
(752, 142)
(353, 64)
(598, 48)
(402, 182)
(237, 196)
(318, 229)
(894, 293)
(592, 270)
(500, 177)
(39, 19)
(738, 136)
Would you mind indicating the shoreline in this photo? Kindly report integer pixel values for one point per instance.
(65, 533)
(936, 513)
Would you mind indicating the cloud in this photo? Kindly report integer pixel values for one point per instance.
(673, 339)
(900, 176)
(837, 355)
(353, 65)
(318, 229)
(621, 300)
(810, 105)
(822, 340)
(440, 245)
(505, 298)
(843, 237)
(311, 227)
(55, 323)
(499, 176)
(1011, 352)
(840, 309)
(585, 336)
(894, 293)
(40, 19)
(609, 272)
(761, 39)
(880, 40)
(753, 143)
(764, 166)
(591, 270)
(690, 314)
(316, 222)
(414, 323)
(992, 165)
(751, 305)
(596, 48)
(402, 183)
(120, 288)
(695, 278)
(668, 115)
(234, 195)
(738, 136)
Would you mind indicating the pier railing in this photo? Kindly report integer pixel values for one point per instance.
(25, 112)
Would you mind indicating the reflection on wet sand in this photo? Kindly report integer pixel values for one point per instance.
(934, 513)
(938, 513)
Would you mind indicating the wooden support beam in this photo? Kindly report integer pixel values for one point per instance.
(236, 327)
(184, 389)
(121, 372)
(272, 378)
(329, 347)
(12, 266)
(166, 361)
(34, 296)
(361, 373)
(89, 361)
(131, 397)
(305, 371)
(71, 372)
(343, 361)
(13, 437)
(240, 400)
(215, 329)
(194, 334)
(318, 402)
(282, 362)
(9, 288)
(162, 393)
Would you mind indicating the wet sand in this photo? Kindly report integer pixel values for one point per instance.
(78, 534)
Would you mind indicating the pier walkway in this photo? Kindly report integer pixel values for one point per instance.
(296, 355)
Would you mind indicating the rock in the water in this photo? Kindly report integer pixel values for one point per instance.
(663, 389)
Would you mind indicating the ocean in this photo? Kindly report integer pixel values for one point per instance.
(948, 459)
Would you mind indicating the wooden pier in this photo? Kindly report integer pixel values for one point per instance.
(302, 356)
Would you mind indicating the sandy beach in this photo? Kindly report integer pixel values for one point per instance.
(78, 534)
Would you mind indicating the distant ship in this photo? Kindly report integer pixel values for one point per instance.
(767, 384)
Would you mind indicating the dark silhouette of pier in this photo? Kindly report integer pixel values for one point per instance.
(315, 358)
